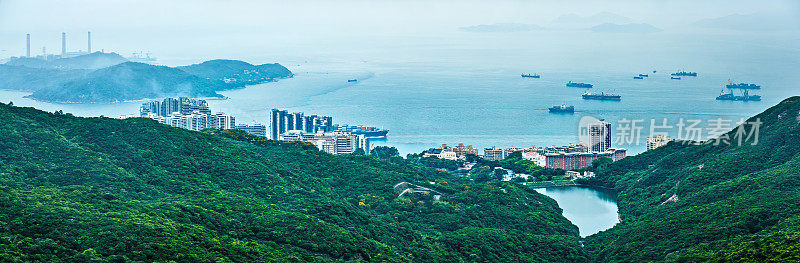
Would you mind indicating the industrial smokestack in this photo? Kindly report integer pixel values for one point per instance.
(28, 45)
(89, 49)
(63, 44)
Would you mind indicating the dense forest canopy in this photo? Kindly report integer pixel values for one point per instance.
(726, 202)
(82, 189)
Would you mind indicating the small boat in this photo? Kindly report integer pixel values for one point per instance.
(675, 77)
(352, 80)
(533, 76)
(637, 77)
(562, 109)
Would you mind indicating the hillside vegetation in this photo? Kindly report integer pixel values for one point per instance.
(97, 189)
(718, 203)
(235, 72)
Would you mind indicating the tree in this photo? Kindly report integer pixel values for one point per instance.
(384, 152)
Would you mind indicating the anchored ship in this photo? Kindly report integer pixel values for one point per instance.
(745, 96)
(601, 96)
(579, 85)
(562, 109)
(535, 76)
(684, 73)
(352, 80)
(367, 131)
(674, 77)
(643, 75)
(637, 77)
(731, 85)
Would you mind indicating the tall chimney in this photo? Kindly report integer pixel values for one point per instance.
(28, 45)
(63, 44)
(89, 49)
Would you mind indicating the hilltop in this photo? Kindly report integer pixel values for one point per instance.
(99, 189)
(722, 203)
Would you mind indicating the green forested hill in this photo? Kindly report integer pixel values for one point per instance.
(710, 203)
(108, 77)
(235, 72)
(97, 189)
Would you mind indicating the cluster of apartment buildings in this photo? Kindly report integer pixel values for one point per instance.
(315, 129)
(596, 143)
(281, 121)
(330, 142)
(186, 113)
(196, 115)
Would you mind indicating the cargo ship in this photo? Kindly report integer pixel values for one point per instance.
(684, 73)
(643, 75)
(367, 131)
(534, 76)
(562, 109)
(731, 85)
(601, 96)
(352, 80)
(637, 77)
(579, 85)
(745, 96)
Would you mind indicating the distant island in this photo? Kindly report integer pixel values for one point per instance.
(108, 77)
(502, 27)
(637, 28)
(574, 20)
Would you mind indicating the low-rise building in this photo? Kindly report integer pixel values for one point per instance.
(256, 129)
(493, 154)
(441, 154)
(578, 160)
(536, 157)
(657, 141)
(460, 150)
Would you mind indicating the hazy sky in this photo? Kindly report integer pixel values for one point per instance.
(118, 14)
(127, 25)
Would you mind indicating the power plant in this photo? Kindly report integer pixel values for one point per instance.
(64, 52)
(28, 45)
(63, 44)
(144, 57)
